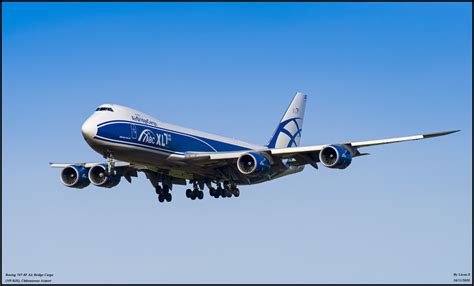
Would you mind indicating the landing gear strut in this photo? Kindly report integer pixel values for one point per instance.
(110, 162)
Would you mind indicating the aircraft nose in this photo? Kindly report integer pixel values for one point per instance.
(89, 129)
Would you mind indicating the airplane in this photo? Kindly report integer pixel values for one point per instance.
(132, 142)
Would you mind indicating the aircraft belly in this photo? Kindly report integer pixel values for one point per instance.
(157, 161)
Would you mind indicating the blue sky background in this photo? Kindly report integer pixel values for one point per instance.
(371, 71)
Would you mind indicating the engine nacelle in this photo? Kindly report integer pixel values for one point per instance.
(335, 156)
(75, 177)
(99, 177)
(253, 163)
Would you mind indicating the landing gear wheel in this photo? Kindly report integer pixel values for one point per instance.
(161, 198)
(158, 190)
(216, 193)
(166, 189)
(228, 194)
(194, 194)
(200, 195)
(168, 197)
(236, 192)
(189, 193)
(219, 192)
(212, 192)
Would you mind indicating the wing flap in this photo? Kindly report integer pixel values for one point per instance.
(197, 156)
(289, 152)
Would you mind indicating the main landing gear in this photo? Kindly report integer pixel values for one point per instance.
(196, 192)
(163, 193)
(228, 191)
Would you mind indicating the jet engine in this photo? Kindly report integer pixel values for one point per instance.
(253, 163)
(75, 177)
(335, 156)
(99, 177)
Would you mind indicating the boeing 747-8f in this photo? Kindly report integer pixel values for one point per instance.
(169, 155)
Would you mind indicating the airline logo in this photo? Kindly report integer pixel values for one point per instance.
(346, 154)
(149, 137)
(146, 121)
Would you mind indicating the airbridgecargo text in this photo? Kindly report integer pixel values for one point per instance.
(140, 119)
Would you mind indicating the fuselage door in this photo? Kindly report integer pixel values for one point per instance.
(134, 131)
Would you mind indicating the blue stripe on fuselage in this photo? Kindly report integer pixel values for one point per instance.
(137, 145)
(158, 138)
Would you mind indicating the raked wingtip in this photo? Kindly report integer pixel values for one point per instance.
(439, 133)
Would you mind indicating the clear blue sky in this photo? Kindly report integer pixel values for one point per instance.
(402, 214)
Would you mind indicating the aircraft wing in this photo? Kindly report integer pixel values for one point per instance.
(130, 169)
(307, 154)
(295, 150)
(299, 155)
(87, 164)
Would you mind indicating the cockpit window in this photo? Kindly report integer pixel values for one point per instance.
(104, 109)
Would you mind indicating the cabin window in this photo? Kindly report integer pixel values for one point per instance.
(104, 109)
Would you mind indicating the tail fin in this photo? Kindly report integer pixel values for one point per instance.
(288, 132)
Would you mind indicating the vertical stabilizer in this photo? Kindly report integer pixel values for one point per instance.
(288, 132)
